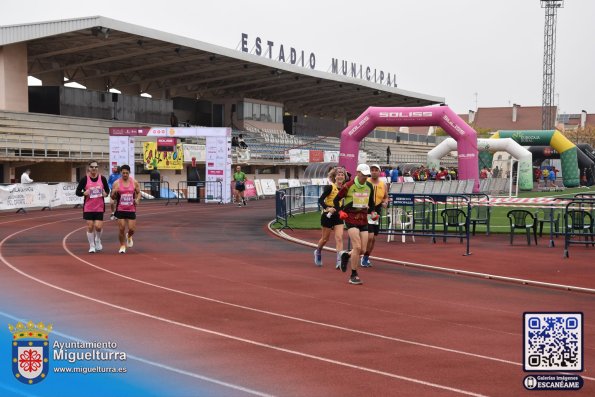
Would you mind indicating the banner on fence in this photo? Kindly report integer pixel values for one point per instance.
(199, 152)
(268, 186)
(64, 194)
(250, 189)
(258, 187)
(283, 183)
(316, 156)
(299, 155)
(24, 196)
(331, 156)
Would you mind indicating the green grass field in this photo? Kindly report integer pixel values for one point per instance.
(498, 221)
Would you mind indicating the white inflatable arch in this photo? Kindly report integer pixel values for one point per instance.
(524, 156)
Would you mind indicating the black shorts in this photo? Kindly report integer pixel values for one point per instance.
(93, 216)
(373, 229)
(330, 222)
(240, 186)
(125, 215)
(362, 228)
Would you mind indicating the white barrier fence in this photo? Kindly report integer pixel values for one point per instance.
(34, 195)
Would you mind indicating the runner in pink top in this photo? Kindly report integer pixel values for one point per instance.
(94, 188)
(126, 194)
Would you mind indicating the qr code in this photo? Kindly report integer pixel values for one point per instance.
(553, 342)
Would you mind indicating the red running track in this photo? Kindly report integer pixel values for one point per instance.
(253, 312)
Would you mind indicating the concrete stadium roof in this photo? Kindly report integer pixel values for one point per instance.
(103, 53)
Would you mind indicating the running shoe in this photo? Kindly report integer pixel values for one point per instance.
(129, 241)
(112, 217)
(365, 262)
(355, 280)
(122, 250)
(239, 204)
(344, 260)
(98, 246)
(244, 202)
(317, 257)
(92, 250)
(338, 264)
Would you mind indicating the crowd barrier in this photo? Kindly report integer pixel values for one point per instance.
(21, 196)
(294, 200)
(413, 214)
(34, 195)
(462, 186)
(492, 186)
(195, 191)
(407, 215)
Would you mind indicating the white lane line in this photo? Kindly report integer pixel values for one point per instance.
(155, 364)
(220, 334)
(287, 237)
(274, 314)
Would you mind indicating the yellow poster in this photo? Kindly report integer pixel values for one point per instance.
(164, 160)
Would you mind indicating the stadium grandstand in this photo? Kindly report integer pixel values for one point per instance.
(94, 73)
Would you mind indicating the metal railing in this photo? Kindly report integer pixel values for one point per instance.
(154, 190)
(31, 145)
(194, 191)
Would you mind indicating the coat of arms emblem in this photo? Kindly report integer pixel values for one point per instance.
(30, 351)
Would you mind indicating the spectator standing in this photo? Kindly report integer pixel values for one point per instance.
(388, 153)
(394, 174)
(155, 179)
(93, 188)
(114, 176)
(552, 177)
(173, 120)
(25, 177)
(545, 175)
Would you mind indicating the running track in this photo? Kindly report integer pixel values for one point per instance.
(208, 290)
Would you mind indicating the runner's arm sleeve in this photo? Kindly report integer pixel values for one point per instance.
(339, 197)
(80, 189)
(105, 185)
(327, 190)
(371, 199)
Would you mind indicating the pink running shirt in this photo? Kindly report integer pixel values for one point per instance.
(95, 201)
(126, 199)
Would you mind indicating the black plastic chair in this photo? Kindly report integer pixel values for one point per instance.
(522, 219)
(454, 217)
(548, 215)
(480, 215)
(581, 222)
(422, 215)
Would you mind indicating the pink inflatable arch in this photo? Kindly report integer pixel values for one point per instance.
(442, 116)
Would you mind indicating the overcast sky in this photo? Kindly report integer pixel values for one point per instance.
(452, 49)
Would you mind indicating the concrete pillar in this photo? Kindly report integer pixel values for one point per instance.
(14, 94)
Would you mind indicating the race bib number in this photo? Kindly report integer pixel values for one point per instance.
(126, 199)
(95, 192)
(360, 200)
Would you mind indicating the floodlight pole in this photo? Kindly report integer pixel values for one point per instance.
(549, 61)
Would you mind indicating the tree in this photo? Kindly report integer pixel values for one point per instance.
(582, 135)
